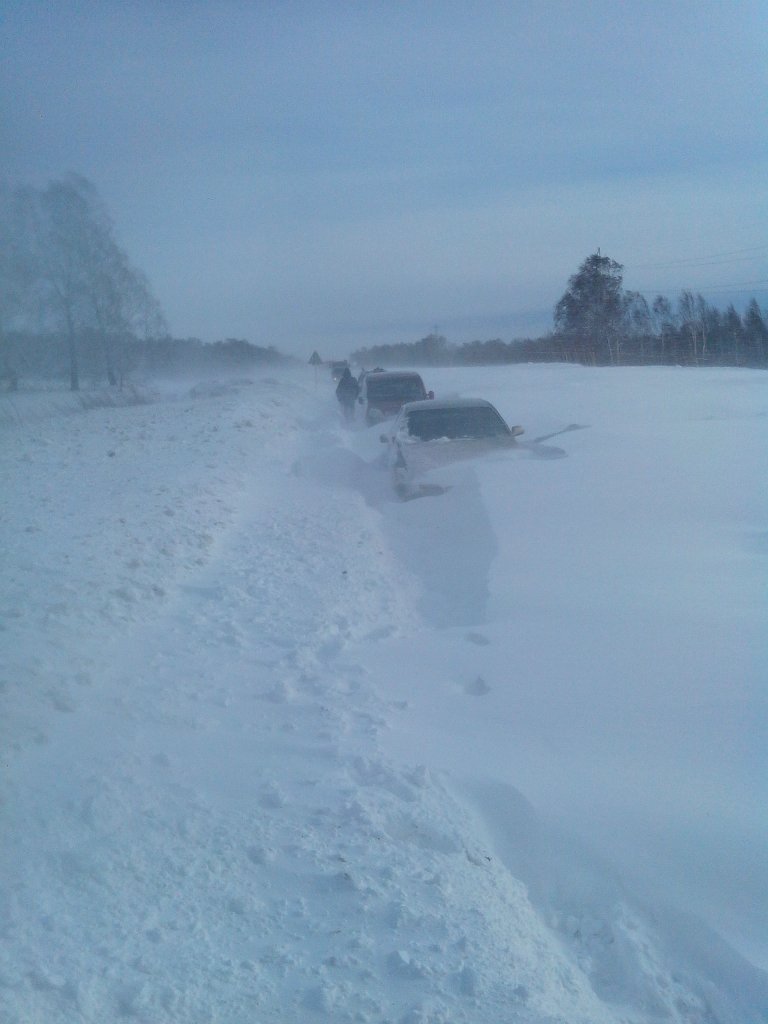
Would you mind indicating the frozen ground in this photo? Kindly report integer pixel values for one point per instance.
(279, 747)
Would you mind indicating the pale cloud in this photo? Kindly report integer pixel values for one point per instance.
(287, 172)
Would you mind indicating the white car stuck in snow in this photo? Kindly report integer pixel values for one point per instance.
(430, 434)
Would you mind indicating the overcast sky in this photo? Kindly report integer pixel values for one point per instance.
(329, 175)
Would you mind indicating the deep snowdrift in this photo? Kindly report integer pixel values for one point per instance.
(281, 747)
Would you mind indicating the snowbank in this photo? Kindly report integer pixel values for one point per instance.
(281, 747)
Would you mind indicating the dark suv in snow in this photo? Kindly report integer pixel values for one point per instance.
(384, 394)
(338, 366)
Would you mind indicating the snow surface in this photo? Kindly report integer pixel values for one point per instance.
(278, 746)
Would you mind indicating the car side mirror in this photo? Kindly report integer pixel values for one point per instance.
(430, 394)
(360, 400)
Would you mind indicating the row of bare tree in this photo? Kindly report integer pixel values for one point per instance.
(64, 276)
(600, 323)
(597, 321)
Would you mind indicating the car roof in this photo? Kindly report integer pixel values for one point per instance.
(395, 375)
(434, 405)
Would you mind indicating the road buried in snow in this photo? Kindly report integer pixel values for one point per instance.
(273, 734)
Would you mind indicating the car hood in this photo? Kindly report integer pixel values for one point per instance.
(424, 456)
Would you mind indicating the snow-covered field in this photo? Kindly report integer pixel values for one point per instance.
(280, 747)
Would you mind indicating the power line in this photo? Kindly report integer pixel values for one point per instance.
(726, 289)
(737, 286)
(700, 263)
(702, 260)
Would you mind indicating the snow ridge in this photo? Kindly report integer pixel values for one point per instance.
(200, 819)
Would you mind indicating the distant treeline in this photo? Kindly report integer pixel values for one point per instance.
(159, 355)
(45, 356)
(73, 306)
(598, 323)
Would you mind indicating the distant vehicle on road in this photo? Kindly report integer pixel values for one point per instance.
(430, 434)
(338, 367)
(384, 394)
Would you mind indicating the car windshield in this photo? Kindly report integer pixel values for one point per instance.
(398, 389)
(472, 421)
